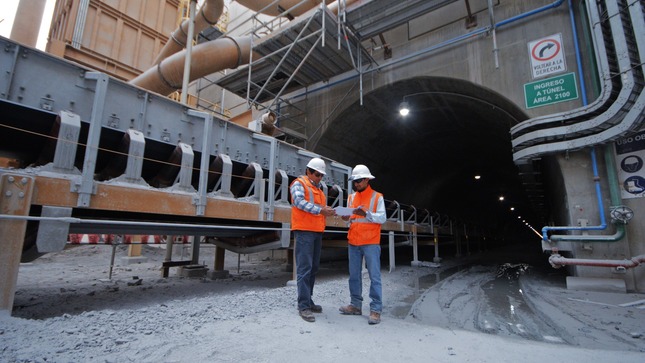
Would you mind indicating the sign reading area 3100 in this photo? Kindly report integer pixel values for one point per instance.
(551, 90)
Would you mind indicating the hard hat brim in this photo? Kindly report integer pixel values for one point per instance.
(362, 176)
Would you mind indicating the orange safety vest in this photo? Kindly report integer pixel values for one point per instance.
(305, 221)
(361, 231)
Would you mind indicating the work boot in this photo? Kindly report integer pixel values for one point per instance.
(307, 315)
(316, 308)
(375, 318)
(350, 310)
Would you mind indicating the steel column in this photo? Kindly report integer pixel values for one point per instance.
(86, 185)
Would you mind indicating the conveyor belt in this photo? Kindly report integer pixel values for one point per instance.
(98, 149)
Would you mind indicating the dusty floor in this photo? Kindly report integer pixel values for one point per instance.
(67, 309)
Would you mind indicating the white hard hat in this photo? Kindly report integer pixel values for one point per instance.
(318, 165)
(361, 171)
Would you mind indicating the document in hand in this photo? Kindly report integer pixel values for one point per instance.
(344, 211)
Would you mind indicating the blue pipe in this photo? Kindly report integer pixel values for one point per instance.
(576, 45)
(553, 5)
(583, 90)
(614, 192)
(603, 223)
(529, 13)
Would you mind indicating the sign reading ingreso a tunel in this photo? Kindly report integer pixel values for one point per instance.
(551, 90)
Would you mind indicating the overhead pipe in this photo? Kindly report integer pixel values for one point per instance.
(208, 15)
(210, 57)
(443, 44)
(493, 31)
(189, 52)
(222, 53)
(163, 86)
(558, 261)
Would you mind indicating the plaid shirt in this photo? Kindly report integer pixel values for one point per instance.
(298, 199)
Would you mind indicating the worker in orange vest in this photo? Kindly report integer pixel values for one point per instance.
(308, 211)
(364, 239)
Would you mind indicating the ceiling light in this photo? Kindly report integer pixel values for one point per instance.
(404, 108)
(477, 177)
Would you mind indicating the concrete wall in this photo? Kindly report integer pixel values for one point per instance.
(581, 203)
(573, 189)
(471, 59)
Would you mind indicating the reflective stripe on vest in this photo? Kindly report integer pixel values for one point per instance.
(361, 230)
(371, 208)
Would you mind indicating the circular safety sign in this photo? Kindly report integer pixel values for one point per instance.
(547, 56)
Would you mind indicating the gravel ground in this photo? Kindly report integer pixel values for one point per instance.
(67, 310)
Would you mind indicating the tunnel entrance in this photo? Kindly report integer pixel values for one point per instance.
(456, 130)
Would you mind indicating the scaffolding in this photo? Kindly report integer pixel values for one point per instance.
(290, 54)
(313, 48)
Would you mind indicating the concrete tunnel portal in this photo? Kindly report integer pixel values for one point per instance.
(455, 130)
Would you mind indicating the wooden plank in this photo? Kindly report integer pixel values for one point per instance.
(58, 192)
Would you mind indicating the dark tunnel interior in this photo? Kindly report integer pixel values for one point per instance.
(455, 130)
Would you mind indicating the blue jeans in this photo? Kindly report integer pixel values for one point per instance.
(372, 255)
(308, 246)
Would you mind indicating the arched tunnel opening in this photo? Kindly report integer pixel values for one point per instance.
(451, 154)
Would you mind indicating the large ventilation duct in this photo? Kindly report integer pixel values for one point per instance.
(208, 16)
(210, 57)
(223, 53)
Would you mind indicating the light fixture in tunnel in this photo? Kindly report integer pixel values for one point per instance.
(501, 198)
(477, 177)
(404, 108)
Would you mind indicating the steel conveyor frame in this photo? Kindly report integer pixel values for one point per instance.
(47, 87)
(98, 147)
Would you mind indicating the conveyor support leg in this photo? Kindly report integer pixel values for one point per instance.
(15, 199)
